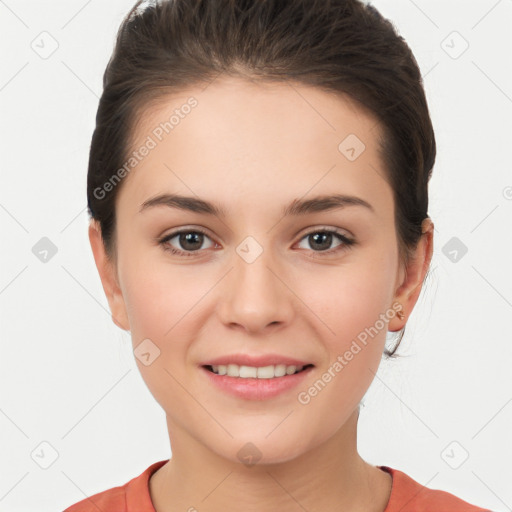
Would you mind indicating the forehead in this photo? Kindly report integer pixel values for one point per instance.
(227, 104)
(237, 138)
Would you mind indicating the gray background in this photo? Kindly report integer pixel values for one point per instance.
(76, 417)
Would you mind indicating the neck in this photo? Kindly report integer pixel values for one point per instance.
(331, 476)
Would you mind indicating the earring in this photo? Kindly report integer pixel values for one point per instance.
(400, 314)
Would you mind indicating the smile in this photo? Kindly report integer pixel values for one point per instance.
(257, 372)
(256, 382)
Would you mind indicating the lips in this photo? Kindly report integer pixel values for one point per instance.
(250, 388)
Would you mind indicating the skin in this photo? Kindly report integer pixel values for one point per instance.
(252, 149)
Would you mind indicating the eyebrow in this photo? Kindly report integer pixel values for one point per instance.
(296, 208)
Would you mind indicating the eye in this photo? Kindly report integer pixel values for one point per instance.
(190, 241)
(322, 239)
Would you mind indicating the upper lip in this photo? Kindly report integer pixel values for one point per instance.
(248, 360)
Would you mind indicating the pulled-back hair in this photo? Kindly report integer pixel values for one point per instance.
(340, 46)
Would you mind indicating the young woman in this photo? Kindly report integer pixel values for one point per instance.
(258, 192)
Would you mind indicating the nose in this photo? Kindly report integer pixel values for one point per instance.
(255, 296)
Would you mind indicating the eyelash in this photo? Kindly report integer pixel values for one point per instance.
(347, 242)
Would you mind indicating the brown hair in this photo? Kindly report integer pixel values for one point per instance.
(341, 46)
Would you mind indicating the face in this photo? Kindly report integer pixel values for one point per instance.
(307, 285)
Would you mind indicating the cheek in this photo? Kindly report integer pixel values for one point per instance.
(350, 299)
(158, 344)
(354, 312)
(155, 296)
(159, 305)
(353, 323)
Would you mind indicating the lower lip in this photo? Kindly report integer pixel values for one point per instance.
(256, 389)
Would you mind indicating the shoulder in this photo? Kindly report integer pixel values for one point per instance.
(107, 501)
(408, 495)
(133, 495)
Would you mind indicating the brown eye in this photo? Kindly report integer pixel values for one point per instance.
(321, 241)
(187, 242)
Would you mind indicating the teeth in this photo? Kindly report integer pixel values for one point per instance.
(261, 372)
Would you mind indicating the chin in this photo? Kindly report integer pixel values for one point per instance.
(259, 450)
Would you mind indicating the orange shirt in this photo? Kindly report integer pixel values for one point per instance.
(407, 495)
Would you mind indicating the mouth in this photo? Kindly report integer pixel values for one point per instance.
(257, 382)
(256, 372)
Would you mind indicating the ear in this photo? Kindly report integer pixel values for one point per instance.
(108, 275)
(413, 274)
